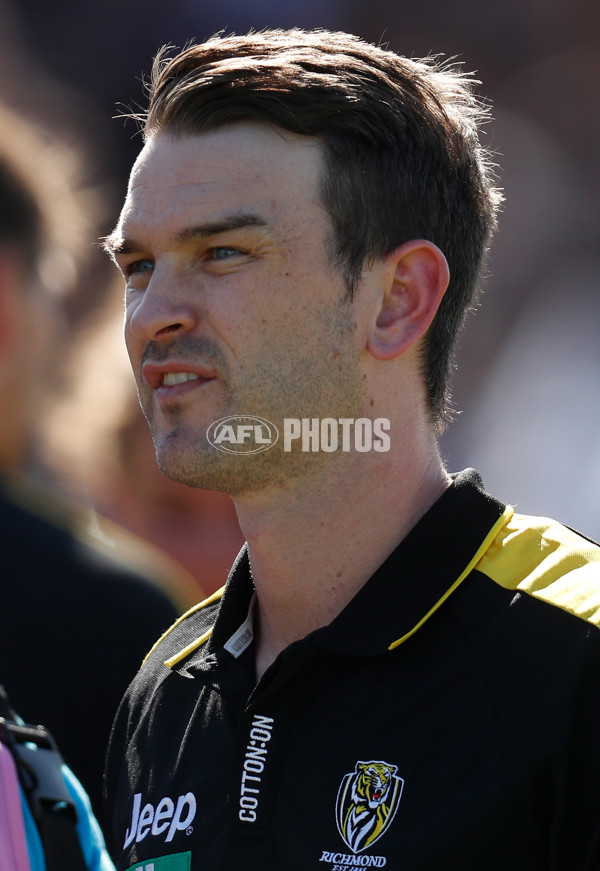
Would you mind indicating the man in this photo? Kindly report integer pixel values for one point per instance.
(401, 672)
(77, 615)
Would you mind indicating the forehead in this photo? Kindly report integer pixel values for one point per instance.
(245, 167)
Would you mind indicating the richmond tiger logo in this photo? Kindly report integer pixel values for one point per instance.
(367, 800)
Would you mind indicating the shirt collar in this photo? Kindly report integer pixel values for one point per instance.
(417, 577)
(427, 566)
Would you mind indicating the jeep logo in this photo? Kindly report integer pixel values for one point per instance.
(242, 434)
(165, 817)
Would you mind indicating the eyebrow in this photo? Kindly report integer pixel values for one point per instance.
(116, 244)
(231, 222)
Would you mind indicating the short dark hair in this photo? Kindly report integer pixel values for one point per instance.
(400, 139)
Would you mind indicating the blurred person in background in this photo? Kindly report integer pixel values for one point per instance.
(77, 613)
(46, 821)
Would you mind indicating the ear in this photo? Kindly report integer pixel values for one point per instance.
(414, 278)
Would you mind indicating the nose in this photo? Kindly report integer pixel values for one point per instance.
(161, 310)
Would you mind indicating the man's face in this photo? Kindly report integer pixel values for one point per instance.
(233, 305)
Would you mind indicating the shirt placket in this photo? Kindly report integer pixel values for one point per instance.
(260, 754)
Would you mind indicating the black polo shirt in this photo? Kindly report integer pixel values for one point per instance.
(448, 718)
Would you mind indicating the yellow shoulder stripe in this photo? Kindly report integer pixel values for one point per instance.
(215, 597)
(194, 645)
(541, 557)
(485, 544)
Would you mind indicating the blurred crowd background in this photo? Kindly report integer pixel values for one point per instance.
(526, 395)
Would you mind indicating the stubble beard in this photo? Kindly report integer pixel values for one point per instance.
(325, 382)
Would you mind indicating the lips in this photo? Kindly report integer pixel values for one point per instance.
(173, 373)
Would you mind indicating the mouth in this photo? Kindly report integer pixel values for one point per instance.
(173, 376)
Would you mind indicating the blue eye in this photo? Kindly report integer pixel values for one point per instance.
(140, 266)
(223, 252)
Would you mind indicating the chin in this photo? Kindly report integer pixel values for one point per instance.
(228, 474)
(198, 464)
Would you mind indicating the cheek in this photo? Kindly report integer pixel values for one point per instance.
(132, 344)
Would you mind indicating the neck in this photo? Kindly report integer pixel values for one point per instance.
(314, 542)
